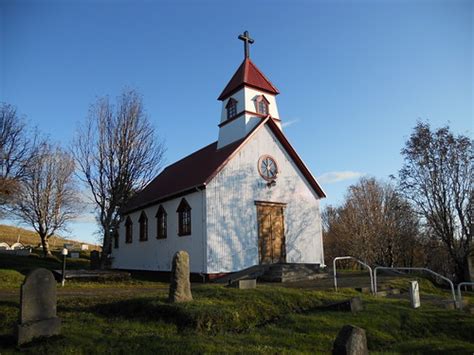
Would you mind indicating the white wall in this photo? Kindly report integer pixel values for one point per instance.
(241, 126)
(232, 235)
(157, 254)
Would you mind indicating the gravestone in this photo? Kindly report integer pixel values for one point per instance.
(414, 291)
(180, 287)
(350, 341)
(38, 307)
(353, 304)
(95, 260)
(244, 284)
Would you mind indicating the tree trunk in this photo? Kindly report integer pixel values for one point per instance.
(461, 270)
(106, 250)
(45, 244)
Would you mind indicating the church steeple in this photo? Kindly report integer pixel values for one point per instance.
(247, 98)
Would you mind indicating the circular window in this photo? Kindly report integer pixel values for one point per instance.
(267, 167)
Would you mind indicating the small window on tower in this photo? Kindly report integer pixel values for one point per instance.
(184, 218)
(231, 108)
(261, 104)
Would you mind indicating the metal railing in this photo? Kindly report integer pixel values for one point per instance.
(360, 262)
(459, 292)
(415, 269)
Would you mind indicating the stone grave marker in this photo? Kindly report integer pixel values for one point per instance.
(180, 287)
(350, 340)
(353, 304)
(244, 284)
(414, 291)
(38, 307)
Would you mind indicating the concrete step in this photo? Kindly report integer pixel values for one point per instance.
(252, 272)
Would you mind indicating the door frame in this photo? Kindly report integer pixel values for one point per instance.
(282, 205)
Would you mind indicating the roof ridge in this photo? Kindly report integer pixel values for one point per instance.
(247, 74)
(263, 76)
(187, 156)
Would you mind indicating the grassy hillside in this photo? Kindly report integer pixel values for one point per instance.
(11, 234)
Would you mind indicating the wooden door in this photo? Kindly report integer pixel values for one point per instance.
(271, 233)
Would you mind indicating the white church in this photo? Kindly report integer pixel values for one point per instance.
(244, 200)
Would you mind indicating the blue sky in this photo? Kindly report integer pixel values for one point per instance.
(354, 76)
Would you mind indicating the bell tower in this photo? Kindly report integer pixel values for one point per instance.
(248, 98)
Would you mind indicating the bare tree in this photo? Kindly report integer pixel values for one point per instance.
(47, 198)
(375, 224)
(118, 153)
(15, 152)
(437, 176)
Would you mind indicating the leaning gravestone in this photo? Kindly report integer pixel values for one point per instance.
(38, 307)
(350, 341)
(180, 288)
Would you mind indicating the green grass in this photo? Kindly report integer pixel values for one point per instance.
(24, 264)
(135, 317)
(269, 319)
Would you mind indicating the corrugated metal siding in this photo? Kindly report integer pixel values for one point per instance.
(232, 236)
(157, 254)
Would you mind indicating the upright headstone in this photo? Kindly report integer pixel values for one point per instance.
(180, 287)
(95, 260)
(38, 307)
(414, 291)
(350, 341)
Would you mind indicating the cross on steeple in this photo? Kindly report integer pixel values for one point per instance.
(246, 38)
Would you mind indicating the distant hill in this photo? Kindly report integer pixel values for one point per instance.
(11, 234)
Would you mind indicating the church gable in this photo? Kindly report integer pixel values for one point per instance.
(232, 197)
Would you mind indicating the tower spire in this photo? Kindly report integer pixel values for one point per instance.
(247, 40)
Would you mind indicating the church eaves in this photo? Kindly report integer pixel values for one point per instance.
(248, 75)
(195, 171)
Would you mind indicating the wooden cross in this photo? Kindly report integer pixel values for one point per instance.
(246, 38)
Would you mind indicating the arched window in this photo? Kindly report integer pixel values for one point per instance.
(128, 230)
(116, 239)
(143, 226)
(184, 218)
(261, 104)
(231, 108)
(161, 223)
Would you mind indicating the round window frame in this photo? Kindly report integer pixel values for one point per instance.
(259, 165)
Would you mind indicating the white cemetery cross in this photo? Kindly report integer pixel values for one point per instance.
(415, 294)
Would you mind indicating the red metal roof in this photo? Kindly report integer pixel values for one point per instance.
(198, 169)
(248, 74)
(186, 174)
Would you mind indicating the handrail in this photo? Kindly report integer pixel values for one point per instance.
(360, 262)
(459, 292)
(417, 269)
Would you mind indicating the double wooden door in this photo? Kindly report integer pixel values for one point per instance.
(271, 233)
